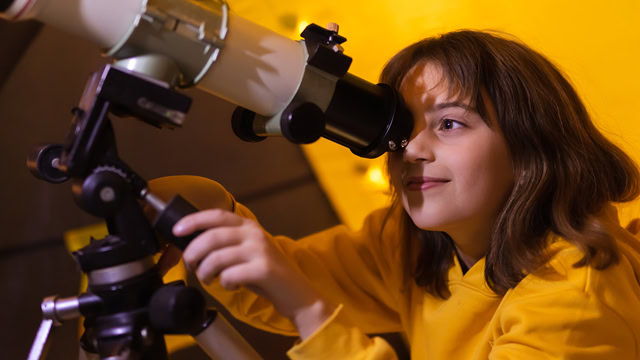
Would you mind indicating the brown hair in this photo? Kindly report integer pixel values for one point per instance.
(565, 170)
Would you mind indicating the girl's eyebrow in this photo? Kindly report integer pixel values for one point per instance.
(460, 104)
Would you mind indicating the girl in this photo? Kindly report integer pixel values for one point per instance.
(501, 242)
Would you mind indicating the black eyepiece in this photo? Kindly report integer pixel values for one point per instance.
(4, 4)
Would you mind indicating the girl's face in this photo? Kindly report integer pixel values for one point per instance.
(455, 173)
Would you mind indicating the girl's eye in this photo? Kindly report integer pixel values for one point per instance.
(448, 124)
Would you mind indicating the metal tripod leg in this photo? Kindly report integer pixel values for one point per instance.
(54, 310)
(40, 342)
(221, 341)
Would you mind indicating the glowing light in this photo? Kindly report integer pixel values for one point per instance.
(375, 176)
(302, 25)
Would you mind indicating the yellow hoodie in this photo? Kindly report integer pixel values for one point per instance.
(557, 312)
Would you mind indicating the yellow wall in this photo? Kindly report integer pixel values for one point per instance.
(597, 43)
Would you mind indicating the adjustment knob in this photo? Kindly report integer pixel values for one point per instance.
(302, 123)
(176, 309)
(242, 125)
(43, 163)
(100, 193)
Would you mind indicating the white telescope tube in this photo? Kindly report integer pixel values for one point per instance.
(103, 22)
(256, 68)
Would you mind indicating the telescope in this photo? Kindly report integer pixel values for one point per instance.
(297, 89)
(300, 90)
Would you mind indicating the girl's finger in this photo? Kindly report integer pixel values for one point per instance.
(218, 261)
(204, 220)
(209, 241)
(241, 274)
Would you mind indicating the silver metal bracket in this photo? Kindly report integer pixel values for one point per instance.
(317, 86)
(190, 32)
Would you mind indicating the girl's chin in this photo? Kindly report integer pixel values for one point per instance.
(432, 218)
(429, 225)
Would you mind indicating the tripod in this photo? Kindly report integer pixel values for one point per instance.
(127, 308)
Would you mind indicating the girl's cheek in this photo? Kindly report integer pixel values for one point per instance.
(395, 168)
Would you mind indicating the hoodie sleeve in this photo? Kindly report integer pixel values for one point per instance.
(341, 265)
(355, 270)
(337, 338)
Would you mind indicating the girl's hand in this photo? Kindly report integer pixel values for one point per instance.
(240, 253)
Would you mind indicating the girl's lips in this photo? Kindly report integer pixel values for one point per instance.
(421, 183)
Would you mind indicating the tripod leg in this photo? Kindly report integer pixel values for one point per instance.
(39, 347)
(220, 340)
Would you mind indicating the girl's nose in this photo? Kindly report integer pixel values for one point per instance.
(419, 148)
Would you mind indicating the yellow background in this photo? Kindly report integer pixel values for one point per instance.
(596, 43)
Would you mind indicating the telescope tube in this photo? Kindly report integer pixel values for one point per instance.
(300, 90)
(257, 69)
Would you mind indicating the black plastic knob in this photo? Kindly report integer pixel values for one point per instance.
(176, 309)
(100, 193)
(242, 125)
(42, 163)
(302, 123)
(175, 210)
